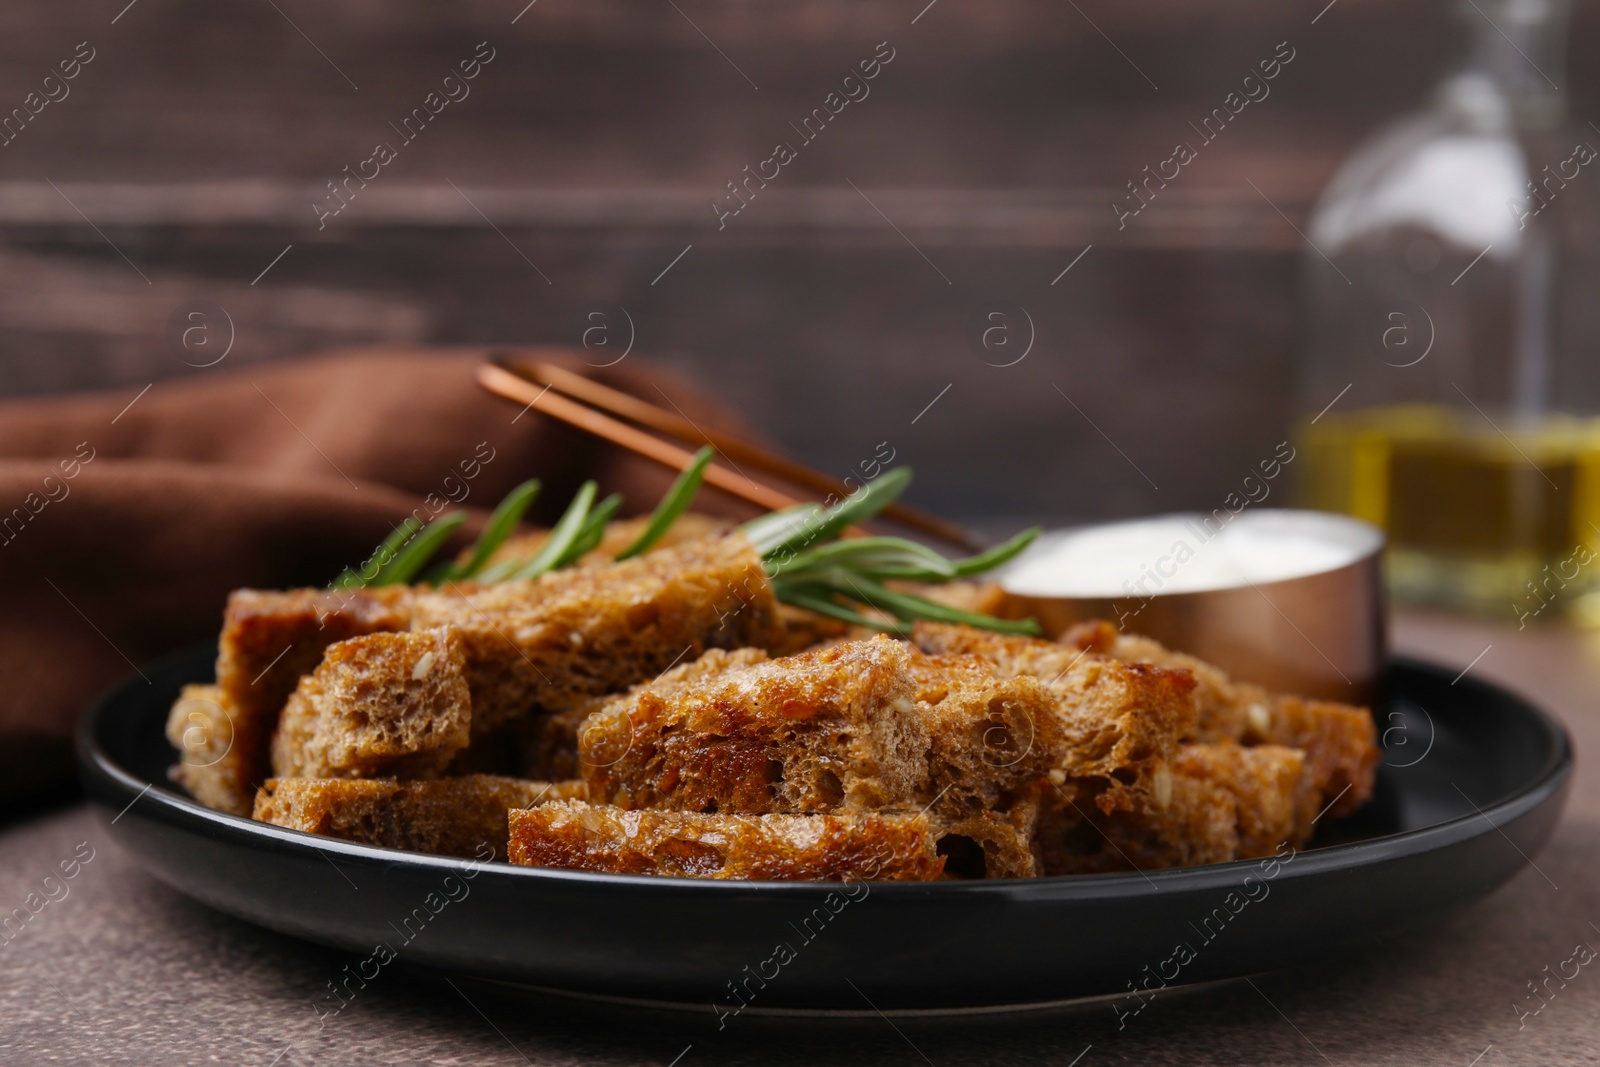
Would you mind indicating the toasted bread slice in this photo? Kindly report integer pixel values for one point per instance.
(550, 746)
(1120, 722)
(581, 633)
(1223, 802)
(445, 816)
(817, 732)
(865, 846)
(201, 727)
(991, 738)
(1339, 740)
(269, 641)
(550, 643)
(1199, 824)
(393, 704)
(1274, 796)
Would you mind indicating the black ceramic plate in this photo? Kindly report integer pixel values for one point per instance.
(1472, 784)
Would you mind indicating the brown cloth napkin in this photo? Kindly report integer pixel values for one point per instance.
(123, 528)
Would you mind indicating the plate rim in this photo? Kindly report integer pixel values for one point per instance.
(97, 765)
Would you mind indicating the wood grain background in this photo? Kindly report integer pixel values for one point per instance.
(833, 309)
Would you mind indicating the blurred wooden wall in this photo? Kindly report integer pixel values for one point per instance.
(833, 309)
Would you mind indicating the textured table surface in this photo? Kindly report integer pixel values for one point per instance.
(123, 969)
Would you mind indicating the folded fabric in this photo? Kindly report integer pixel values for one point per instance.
(123, 528)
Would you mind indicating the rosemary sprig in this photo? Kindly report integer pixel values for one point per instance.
(830, 523)
(353, 579)
(563, 536)
(673, 505)
(771, 530)
(905, 607)
(877, 557)
(594, 529)
(502, 523)
(821, 600)
(808, 566)
(415, 553)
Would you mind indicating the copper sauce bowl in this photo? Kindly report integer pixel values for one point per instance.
(1318, 632)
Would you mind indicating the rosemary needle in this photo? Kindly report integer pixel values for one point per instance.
(673, 505)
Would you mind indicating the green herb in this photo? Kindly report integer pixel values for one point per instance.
(808, 565)
(674, 504)
(908, 607)
(415, 553)
(772, 529)
(594, 528)
(858, 506)
(876, 557)
(821, 600)
(563, 535)
(501, 524)
(381, 555)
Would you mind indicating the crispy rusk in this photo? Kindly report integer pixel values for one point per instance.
(445, 816)
(390, 704)
(584, 632)
(269, 641)
(1339, 740)
(550, 746)
(1199, 824)
(990, 737)
(1120, 722)
(822, 731)
(1223, 802)
(1274, 797)
(858, 846)
(1340, 743)
(200, 727)
(545, 745)
(550, 643)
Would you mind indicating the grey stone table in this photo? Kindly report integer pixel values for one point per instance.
(121, 969)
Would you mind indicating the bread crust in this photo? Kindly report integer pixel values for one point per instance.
(861, 846)
(548, 644)
(819, 732)
(1225, 802)
(444, 816)
(269, 641)
(1339, 740)
(1120, 722)
(580, 633)
(201, 727)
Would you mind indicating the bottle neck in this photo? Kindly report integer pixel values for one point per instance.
(1510, 68)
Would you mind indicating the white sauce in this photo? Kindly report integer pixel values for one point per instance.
(1188, 553)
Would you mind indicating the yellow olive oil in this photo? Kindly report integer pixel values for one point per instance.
(1498, 517)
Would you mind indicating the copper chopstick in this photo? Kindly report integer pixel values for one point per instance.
(736, 449)
(512, 386)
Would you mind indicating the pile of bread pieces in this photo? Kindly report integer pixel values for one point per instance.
(665, 715)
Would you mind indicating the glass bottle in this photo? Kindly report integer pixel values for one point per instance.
(1450, 379)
